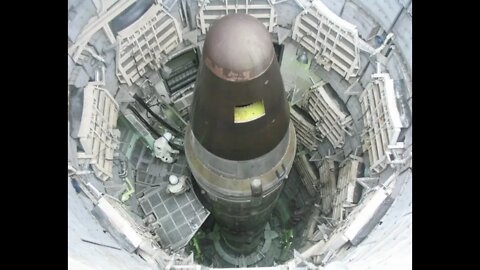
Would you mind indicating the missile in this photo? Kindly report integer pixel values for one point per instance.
(240, 143)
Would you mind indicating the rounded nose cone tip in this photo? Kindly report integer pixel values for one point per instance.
(238, 47)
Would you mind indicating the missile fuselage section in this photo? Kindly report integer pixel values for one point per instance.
(240, 144)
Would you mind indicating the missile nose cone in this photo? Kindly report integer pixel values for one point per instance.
(238, 47)
(239, 109)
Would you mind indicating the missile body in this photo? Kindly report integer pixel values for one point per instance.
(240, 144)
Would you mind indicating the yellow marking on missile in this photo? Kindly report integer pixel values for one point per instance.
(250, 112)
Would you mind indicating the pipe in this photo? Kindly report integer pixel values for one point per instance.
(137, 114)
(158, 118)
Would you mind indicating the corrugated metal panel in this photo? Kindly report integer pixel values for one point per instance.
(212, 10)
(97, 133)
(332, 40)
(331, 120)
(383, 123)
(307, 173)
(146, 44)
(307, 135)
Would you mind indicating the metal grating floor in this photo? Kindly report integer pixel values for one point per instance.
(178, 216)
